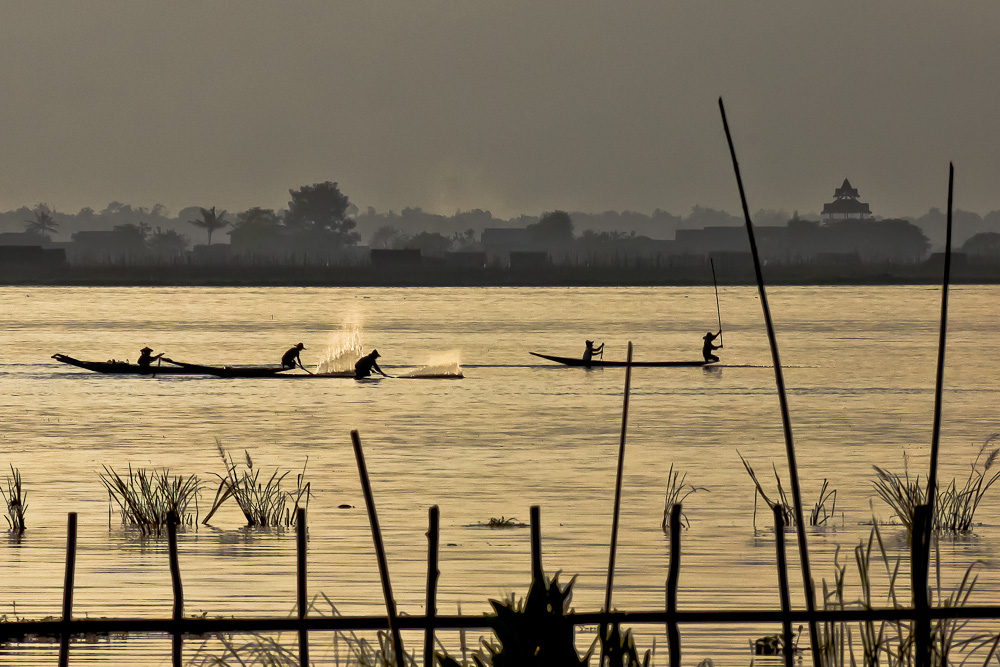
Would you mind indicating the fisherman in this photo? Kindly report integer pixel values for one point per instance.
(366, 364)
(146, 357)
(707, 348)
(589, 353)
(291, 358)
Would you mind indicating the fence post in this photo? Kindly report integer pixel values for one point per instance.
(786, 599)
(177, 638)
(301, 591)
(536, 544)
(674, 572)
(432, 578)
(68, 589)
(920, 537)
(383, 565)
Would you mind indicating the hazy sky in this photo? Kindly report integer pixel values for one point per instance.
(516, 106)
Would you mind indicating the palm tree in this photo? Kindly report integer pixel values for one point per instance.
(43, 223)
(210, 221)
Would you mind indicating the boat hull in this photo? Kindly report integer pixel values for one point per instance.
(231, 371)
(121, 367)
(600, 363)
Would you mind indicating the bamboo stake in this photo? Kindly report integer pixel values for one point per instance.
(537, 573)
(68, 589)
(301, 580)
(618, 491)
(786, 600)
(939, 386)
(673, 634)
(432, 578)
(383, 565)
(177, 637)
(810, 593)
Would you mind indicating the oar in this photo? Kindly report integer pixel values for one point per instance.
(717, 309)
(305, 369)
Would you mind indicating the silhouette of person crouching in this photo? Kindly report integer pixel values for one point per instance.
(366, 364)
(291, 358)
(708, 348)
(589, 353)
(146, 357)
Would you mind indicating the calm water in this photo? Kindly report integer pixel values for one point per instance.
(515, 432)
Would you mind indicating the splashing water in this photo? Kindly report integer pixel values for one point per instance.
(343, 351)
(447, 364)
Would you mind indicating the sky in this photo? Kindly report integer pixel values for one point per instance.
(514, 106)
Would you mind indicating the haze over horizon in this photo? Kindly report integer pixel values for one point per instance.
(515, 107)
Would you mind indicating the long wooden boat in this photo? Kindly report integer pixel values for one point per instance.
(230, 371)
(598, 363)
(123, 367)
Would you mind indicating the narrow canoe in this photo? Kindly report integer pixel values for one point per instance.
(597, 363)
(122, 367)
(230, 371)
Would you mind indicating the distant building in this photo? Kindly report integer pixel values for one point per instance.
(499, 242)
(845, 204)
(23, 256)
(404, 258)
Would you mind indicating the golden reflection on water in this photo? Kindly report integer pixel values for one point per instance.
(515, 432)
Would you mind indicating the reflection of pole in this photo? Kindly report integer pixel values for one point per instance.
(717, 309)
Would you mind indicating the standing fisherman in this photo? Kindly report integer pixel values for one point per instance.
(708, 347)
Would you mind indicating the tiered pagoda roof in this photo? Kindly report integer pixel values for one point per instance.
(846, 204)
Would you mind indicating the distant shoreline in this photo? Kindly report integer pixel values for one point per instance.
(550, 276)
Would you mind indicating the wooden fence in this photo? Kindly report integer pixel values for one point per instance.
(671, 618)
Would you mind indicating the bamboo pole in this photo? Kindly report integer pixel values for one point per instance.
(67, 610)
(783, 593)
(793, 473)
(383, 565)
(673, 634)
(432, 578)
(537, 573)
(718, 308)
(618, 494)
(301, 580)
(618, 484)
(939, 385)
(177, 637)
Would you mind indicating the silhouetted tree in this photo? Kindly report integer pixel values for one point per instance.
(168, 243)
(210, 221)
(985, 243)
(387, 238)
(322, 208)
(42, 223)
(554, 228)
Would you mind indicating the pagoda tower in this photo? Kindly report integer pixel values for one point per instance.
(846, 205)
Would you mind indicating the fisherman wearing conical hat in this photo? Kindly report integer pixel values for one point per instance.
(146, 357)
(291, 358)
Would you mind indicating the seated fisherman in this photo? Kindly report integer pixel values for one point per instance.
(146, 357)
(366, 364)
(291, 358)
(589, 353)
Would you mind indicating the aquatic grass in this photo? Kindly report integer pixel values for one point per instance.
(955, 507)
(262, 503)
(16, 498)
(824, 509)
(677, 490)
(146, 497)
(504, 522)
(890, 643)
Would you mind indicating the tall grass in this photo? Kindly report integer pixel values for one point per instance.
(824, 509)
(145, 498)
(16, 498)
(954, 506)
(677, 490)
(887, 643)
(262, 503)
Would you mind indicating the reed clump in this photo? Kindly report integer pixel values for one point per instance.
(824, 509)
(889, 643)
(955, 506)
(262, 503)
(146, 497)
(677, 490)
(16, 499)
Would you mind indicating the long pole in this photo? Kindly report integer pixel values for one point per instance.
(618, 485)
(786, 421)
(717, 308)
